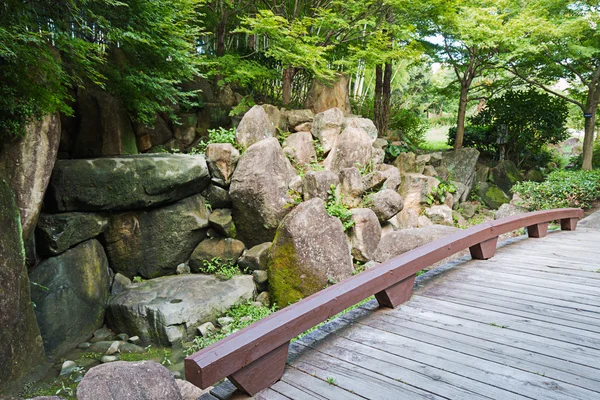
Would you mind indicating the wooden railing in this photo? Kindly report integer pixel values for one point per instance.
(254, 358)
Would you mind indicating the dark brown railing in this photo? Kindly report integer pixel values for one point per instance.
(254, 358)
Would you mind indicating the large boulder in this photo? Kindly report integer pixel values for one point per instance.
(352, 148)
(385, 204)
(505, 175)
(217, 196)
(125, 183)
(276, 117)
(351, 186)
(71, 293)
(399, 242)
(327, 127)
(393, 178)
(491, 195)
(409, 163)
(440, 214)
(104, 126)
(364, 234)
(415, 188)
(151, 243)
(169, 309)
(21, 347)
(318, 184)
(222, 222)
(254, 127)
(222, 159)
(59, 232)
(299, 117)
(325, 95)
(154, 135)
(310, 251)
(145, 380)
(27, 162)
(299, 146)
(185, 129)
(508, 210)
(461, 165)
(226, 249)
(259, 191)
(362, 123)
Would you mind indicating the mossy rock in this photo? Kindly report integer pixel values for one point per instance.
(505, 175)
(21, 348)
(491, 195)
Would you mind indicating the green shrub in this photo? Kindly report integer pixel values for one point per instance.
(336, 208)
(227, 268)
(578, 160)
(220, 135)
(409, 126)
(561, 189)
(438, 194)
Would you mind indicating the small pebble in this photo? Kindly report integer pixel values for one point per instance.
(67, 367)
(245, 319)
(257, 304)
(135, 340)
(107, 359)
(84, 345)
(206, 329)
(123, 337)
(114, 348)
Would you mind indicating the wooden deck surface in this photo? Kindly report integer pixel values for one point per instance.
(523, 325)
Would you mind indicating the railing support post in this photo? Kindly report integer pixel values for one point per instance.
(396, 294)
(568, 224)
(261, 373)
(484, 250)
(538, 230)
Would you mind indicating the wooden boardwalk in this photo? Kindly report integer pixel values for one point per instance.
(522, 325)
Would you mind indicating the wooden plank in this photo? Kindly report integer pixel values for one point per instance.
(469, 293)
(357, 380)
(592, 279)
(319, 388)
(519, 382)
(272, 394)
(525, 341)
(574, 374)
(539, 328)
(293, 392)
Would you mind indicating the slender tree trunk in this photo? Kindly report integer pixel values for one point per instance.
(588, 139)
(460, 121)
(288, 77)
(386, 97)
(378, 99)
(220, 51)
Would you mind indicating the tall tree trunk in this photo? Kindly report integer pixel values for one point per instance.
(220, 51)
(386, 97)
(588, 139)
(288, 77)
(378, 98)
(460, 121)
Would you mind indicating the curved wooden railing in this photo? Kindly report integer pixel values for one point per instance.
(254, 358)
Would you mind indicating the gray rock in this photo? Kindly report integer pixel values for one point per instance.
(460, 165)
(154, 242)
(222, 221)
(225, 321)
(468, 209)
(399, 242)
(67, 368)
(407, 163)
(123, 337)
(316, 184)
(120, 282)
(264, 299)
(424, 221)
(156, 135)
(254, 127)
(188, 390)
(378, 156)
(309, 252)
(207, 329)
(277, 118)
(505, 175)
(352, 148)
(491, 195)
(297, 117)
(145, 380)
(508, 210)
(182, 268)
(26, 164)
(114, 348)
(405, 219)
(259, 191)
(303, 127)
(255, 258)
(482, 173)
(108, 359)
(415, 188)
(362, 123)
(72, 308)
(135, 340)
(223, 248)
(392, 176)
(261, 279)
(169, 309)
(299, 146)
(185, 130)
(222, 159)
(385, 203)
(365, 234)
(440, 214)
(123, 183)
(327, 126)
(59, 232)
(351, 186)
(101, 335)
(429, 171)
(21, 348)
(374, 181)
(84, 345)
(217, 197)
(325, 94)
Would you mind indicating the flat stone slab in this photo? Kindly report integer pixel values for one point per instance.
(591, 221)
(169, 309)
(125, 182)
